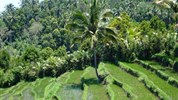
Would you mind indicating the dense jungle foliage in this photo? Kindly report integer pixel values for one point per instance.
(48, 38)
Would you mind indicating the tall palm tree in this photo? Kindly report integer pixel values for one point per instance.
(169, 4)
(92, 26)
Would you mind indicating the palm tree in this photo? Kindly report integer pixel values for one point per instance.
(92, 26)
(168, 4)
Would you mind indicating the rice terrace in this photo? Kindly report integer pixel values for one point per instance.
(89, 50)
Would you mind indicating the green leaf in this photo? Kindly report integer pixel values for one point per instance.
(79, 16)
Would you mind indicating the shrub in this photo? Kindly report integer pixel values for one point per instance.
(53, 66)
(163, 59)
(176, 51)
(175, 67)
(46, 53)
(157, 24)
(61, 51)
(31, 54)
(1, 77)
(172, 81)
(77, 60)
(4, 59)
(17, 73)
(7, 79)
(30, 72)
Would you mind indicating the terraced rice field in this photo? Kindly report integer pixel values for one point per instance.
(84, 85)
(119, 93)
(168, 71)
(138, 89)
(96, 91)
(163, 85)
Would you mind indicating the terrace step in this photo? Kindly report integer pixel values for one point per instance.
(39, 90)
(95, 90)
(170, 90)
(138, 89)
(118, 93)
(168, 71)
(70, 88)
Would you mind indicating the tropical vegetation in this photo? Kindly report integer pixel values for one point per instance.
(89, 50)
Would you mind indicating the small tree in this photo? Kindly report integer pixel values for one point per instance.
(4, 59)
(31, 54)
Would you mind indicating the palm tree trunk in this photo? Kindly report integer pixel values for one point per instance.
(95, 61)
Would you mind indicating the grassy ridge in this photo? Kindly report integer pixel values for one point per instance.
(75, 77)
(71, 90)
(96, 91)
(17, 95)
(163, 85)
(114, 87)
(40, 89)
(166, 74)
(10, 92)
(137, 88)
(168, 71)
(116, 91)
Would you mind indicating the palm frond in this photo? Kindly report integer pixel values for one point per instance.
(106, 13)
(77, 39)
(79, 16)
(170, 4)
(112, 38)
(108, 30)
(107, 34)
(74, 26)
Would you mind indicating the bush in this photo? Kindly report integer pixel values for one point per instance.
(61, 51)
(172, 81)
(7, 79)
(46, 53)
(31, 54)
(77, 60)
(30, 73)
(175, 67)
(176, 51)
(4, 59)
(163, 59)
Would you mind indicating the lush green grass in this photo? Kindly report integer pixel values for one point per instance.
(75, 77)
(10, 92)
(114, 90)
(168, 71)
(51, 89)
(17, 95)
(96, 91)
(155, 63)
(39, 89)
(137, 87)
(71, 90)
(28, 94)
(70, 86)
(118, 92)
(63, 78)
(163, 85)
